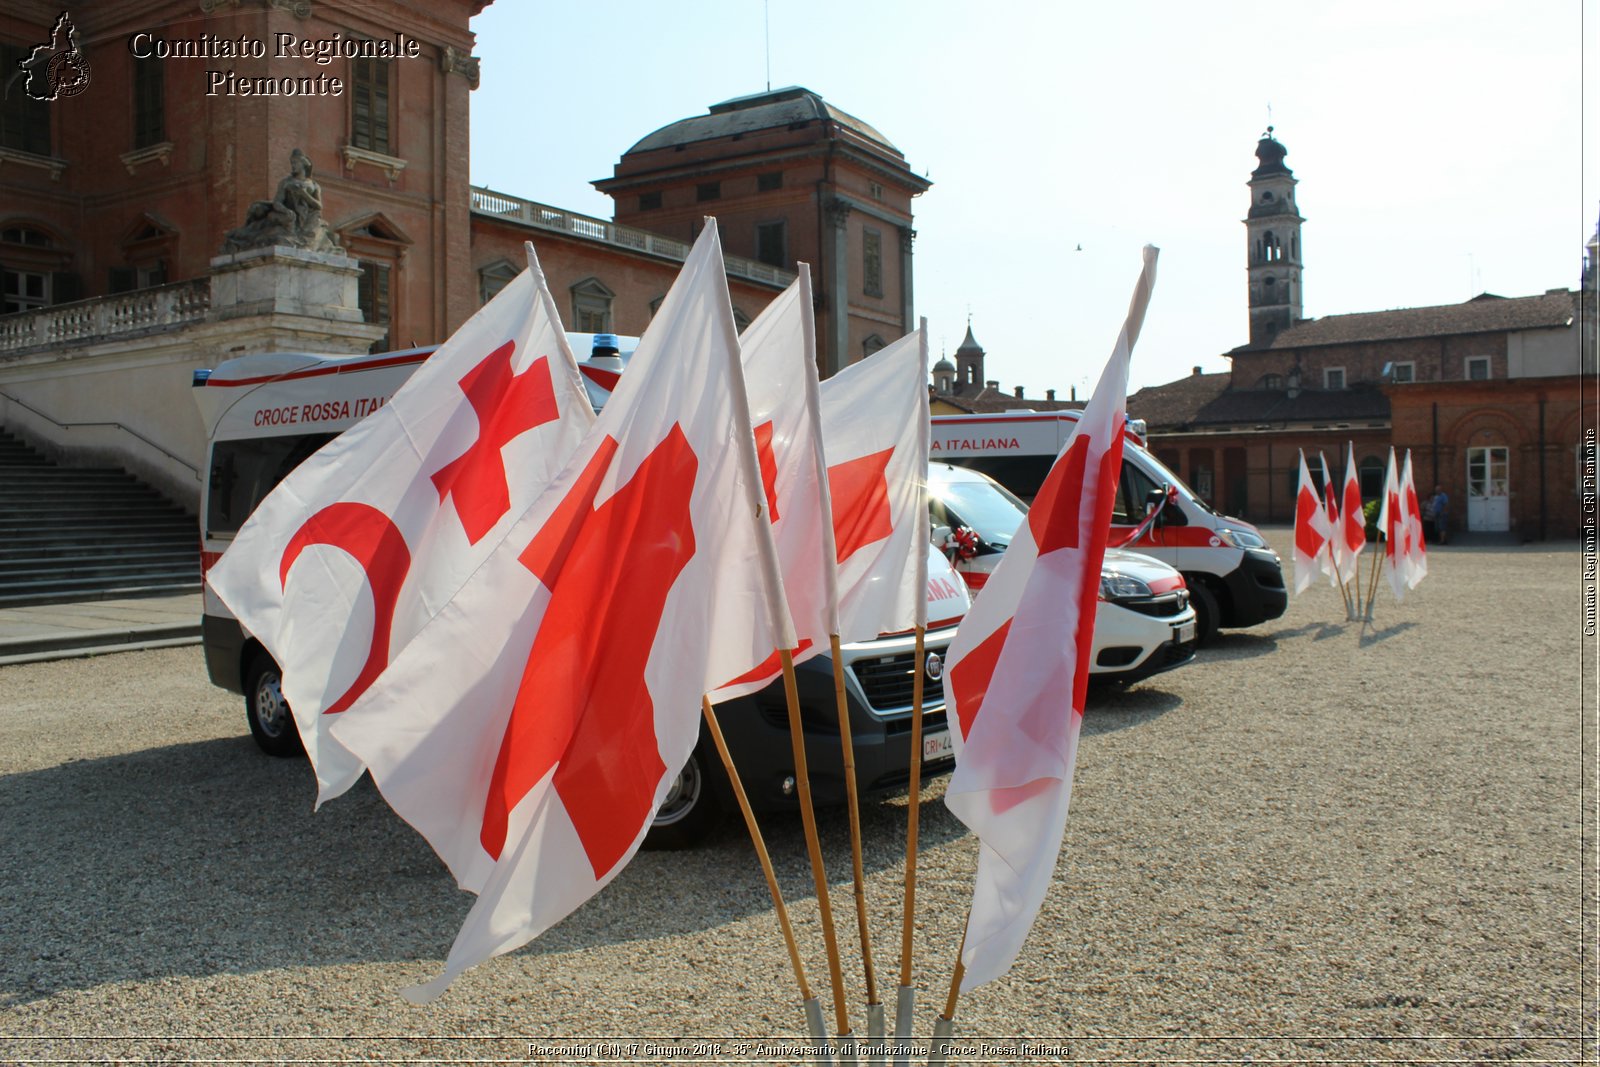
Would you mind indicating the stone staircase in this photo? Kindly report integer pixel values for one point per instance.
(70, 534)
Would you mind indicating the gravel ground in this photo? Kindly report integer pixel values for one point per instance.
(1318, 843)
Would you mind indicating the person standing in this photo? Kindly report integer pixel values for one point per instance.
(1439, 506)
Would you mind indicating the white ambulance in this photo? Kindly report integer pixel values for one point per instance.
(1234, 579)
(264, 414)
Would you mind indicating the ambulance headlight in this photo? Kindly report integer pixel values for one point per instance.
(1116, 586)
(1240, 538)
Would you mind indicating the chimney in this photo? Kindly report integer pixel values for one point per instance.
(1018, 392)
(992, 384)
(1074, 394)
(1049, 394)
(1197, 371)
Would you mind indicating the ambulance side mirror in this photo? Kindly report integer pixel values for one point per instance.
(941, 536)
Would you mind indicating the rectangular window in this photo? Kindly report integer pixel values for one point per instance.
(1477, 368)
(24, 121)
(373, 295)
(369, 105)
(765, 183)
(149, 103)
(244, 472)
(872, 263)
(127, 279)
(1333, 378)
(771, 238)
(875, 190)
(1405, 372)
(650, 201)
(708, 191)
(23, 290)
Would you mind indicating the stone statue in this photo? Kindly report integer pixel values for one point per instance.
(293, 217)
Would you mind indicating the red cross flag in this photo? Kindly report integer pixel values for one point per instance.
(1019, 667)
(1396, 531)
(875, 424)
(1311, 531)
(1333, 560)
(531, 730)
(347, 559)
(1417, 560)
(1352, 531)
(780, 370)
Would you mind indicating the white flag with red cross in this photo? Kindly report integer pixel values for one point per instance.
(1334, 564)
(1352, 529)
(1311, 531)
(1396, 531)
(780, 371)
(532, 729)
(875, 425)
(351, 555)
(1417, 558)
(1019, 667)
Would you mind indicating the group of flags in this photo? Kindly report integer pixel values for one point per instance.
(507, 609)
(1330, 532)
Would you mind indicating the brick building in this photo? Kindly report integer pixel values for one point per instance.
(1485, 394)
(790, 178)
(116, 199)
(135, 181)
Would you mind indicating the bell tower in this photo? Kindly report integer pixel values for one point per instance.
(1273, 244)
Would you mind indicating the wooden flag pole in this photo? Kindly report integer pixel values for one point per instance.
(855, 828)
(1344, 594)
(808, 817)
(1372, 587)
(760, 846)
(944, 1027)
(913, 820)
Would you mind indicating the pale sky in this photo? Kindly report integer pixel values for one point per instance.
(1439, 146)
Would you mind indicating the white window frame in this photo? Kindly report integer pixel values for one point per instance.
(1327, 378)
(1483, 361)
(1410, 374)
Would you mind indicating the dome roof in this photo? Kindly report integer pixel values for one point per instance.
(759, 111)
(944, 366)
(1270, 153)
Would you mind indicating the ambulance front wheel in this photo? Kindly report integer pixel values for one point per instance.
(271, 722)
(1207, 618)
(691, 810)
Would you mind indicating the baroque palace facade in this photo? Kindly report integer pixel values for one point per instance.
(141, 145)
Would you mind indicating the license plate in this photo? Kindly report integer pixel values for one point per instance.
(1183, 632)
(937, 745)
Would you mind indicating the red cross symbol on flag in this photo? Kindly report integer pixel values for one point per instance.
(507, 405)
(583, 706)
(860, 494)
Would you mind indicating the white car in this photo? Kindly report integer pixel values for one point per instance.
(1144, 623)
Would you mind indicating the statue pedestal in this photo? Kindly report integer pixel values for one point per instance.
(295, 300)
(285, 281)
